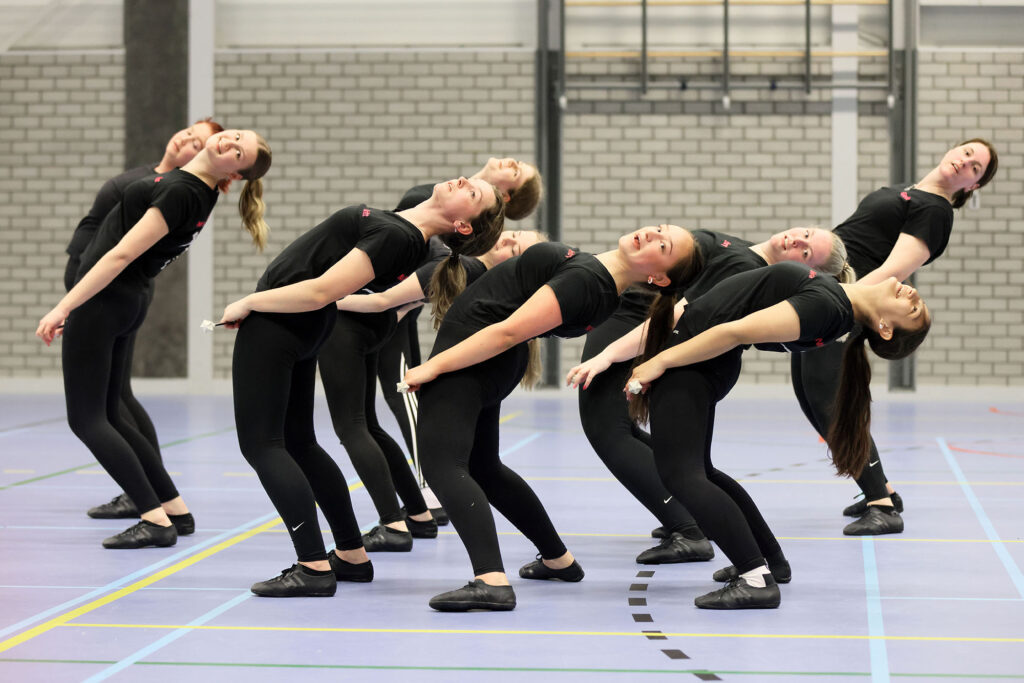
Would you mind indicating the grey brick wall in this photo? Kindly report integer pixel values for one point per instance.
(61, 137)
(348, 128)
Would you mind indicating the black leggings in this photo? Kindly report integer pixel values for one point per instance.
(682, 422)
(348, 368)
(404, 342)
(458, 444)
(96, 353)
(131, 410)
(816, 381)
(273, 374)
(622, 446)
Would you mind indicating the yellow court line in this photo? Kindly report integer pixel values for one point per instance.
(510, 416)
(758, 480)
(9, 471)
(887, 539)
(501, 632)
(142, 583)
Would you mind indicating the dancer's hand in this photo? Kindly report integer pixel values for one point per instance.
(585, 372)
(52, 325)
(235, 313)
(419, 375)
(645, 373)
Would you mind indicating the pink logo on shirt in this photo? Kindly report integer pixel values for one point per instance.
(726, 243)
(366, 212)
(401, 277)
(158, 179)
(819, 342)
(200, 224)
(812, 274)
(589, 328)
(570, 253)
(905, 196)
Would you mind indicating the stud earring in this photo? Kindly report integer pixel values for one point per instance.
(650, 279)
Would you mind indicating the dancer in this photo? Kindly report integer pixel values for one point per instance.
(783, 307)
(893, 232)
(605, 365)
(180, 149)
(348, 368)
(282, 326)
(155, 222)
(479, 357)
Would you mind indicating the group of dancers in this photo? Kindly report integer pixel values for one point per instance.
(684, 304)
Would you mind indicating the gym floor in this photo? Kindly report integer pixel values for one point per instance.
(942, 601)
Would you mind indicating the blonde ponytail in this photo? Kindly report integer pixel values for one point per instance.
(533, 365)
(251, 208)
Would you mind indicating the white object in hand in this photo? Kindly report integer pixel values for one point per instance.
(634, 386)
(207, 325)
(402, 388)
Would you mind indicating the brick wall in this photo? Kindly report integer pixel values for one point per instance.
(363, 127)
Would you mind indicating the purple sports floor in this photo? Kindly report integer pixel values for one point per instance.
(942, 601)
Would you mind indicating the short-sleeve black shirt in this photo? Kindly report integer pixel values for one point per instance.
(395, 247)
(871, 232)
(106, 199)
(821, 304)
(584, 288)
(184, 201)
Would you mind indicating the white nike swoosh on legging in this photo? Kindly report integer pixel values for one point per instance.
(296, 527)
(872, 464)
(667, 499)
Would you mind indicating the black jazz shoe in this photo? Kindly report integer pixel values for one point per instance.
(738, 594)
(346, 571)
(659, 532)
(475, 595)
(427, 529)
(120, 507)
(540, 571)
(781, 572)
(143, 535)
(297, 582)
(861, 506)
(677, 548)
(875, 521)
(439, 515)
(185, 524)
(385, 539)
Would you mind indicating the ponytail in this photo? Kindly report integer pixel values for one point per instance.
(446, 283)
(849, 435)
(251, 209)
(523, 201)
(837, 263)
(533, 366)
(449, 278)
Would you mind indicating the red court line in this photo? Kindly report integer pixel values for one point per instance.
(993, 409)
(968, 450)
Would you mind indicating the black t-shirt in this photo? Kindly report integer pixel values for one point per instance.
(824, 310)
(871, 232)
(584, 288)
(395, 247)
(414, 196)
(106, 199)
(724, 255)
(184, 201)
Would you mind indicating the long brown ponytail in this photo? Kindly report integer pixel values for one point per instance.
(449, 278)
(660, 323)
(250, 203)
(849, 435)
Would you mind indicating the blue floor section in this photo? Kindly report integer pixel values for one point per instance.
(942, 601)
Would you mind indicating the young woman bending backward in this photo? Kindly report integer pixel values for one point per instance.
(784, 307)
(348, 368)
(281, 328)
(893, 232)
(606, 364)
(180, 149)
(155, 222)
(478, 358)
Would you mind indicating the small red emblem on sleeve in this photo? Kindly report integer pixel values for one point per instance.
(366, 212)
(570, 253)
(158, 179)
(589, 328)
(401, 277)
(905, 196)
(811, 274)
(819, 342)
(200, 224)
(726, 243)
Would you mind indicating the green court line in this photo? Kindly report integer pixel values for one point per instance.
(32, 424)
(514, 669)
(93, 464)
